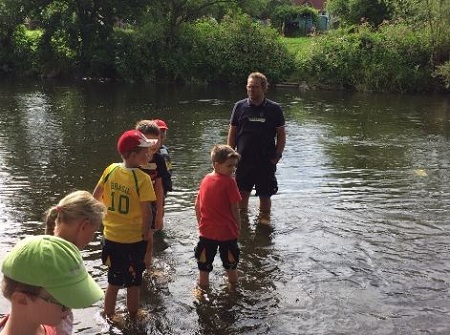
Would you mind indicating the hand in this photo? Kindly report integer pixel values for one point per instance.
(148, 260)
(159, 222)
(276, 158)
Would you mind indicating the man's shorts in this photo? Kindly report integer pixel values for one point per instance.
(125, 262)
(206, 250)
(261, 176)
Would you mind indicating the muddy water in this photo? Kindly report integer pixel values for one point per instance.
(360, 228)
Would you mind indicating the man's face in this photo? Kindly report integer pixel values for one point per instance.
(255, 91)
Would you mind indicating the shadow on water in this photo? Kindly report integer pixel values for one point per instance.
(359, 234)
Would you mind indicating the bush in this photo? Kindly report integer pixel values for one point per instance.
(230, 50)
(392, 58)
(443, 72)
(22, 56)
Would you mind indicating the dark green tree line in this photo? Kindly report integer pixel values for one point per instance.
(94, 37)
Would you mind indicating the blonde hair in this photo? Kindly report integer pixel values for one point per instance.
(74, 206)
(221, 152)
(261, 77)
(148, 127)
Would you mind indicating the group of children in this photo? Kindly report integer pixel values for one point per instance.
(128, 201)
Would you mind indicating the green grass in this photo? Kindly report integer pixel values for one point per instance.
(297, 44)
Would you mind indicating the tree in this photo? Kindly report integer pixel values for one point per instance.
(357, 11)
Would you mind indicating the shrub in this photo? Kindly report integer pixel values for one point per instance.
(391, 58)
(230, 50)
(22, 56)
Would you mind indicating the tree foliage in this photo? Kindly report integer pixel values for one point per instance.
(289, 13)
(357, 11)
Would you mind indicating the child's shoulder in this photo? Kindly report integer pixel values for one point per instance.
(158, 158)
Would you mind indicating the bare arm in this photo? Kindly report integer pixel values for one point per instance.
(281, 143)
(231, 138)
(147, 233)
(98, 192)
(159, 191)
(197, 209)
(236, 215)
(281, 139)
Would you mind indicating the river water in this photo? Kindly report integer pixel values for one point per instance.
(359, 240)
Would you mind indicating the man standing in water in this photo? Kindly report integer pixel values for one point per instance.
(257, 131)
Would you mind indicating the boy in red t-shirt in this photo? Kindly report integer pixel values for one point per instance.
(216, 207)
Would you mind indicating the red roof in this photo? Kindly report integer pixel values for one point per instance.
(317, 4)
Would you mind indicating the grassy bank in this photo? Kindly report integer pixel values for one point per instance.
(297, 44)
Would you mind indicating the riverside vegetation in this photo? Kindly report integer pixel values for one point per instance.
(405, 54)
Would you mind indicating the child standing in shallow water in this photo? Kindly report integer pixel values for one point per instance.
(156, 169)
(75, 218)
(44, 276)
(128, 239)
(164, 152)
(216, 208)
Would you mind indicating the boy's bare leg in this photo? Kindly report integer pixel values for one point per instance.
(110, 300)
(232, 276)
(133, 300)
(265, 203)
(203, 279)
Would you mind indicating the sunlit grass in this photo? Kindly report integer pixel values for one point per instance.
(297, 44)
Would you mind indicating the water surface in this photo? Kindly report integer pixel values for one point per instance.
(359, 240)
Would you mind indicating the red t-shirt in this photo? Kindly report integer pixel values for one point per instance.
(215, 196)
(49, 330)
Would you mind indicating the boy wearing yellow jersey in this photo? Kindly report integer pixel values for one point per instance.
(128, 242)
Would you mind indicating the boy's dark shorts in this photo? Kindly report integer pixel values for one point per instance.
(125, 262)
(262, 176)
(206, 250)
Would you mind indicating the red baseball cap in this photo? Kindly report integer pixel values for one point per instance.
(132, 139)
(161, 124)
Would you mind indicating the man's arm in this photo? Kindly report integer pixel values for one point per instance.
(231, 138)
(281, 143)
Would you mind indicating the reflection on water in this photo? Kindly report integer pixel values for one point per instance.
(359, 237)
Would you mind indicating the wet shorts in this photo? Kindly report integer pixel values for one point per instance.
(262, 176)
(206, 250)
(125, 262)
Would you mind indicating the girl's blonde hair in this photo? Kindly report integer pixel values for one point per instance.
(74, 206)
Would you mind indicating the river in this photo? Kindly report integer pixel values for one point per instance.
(359, 239)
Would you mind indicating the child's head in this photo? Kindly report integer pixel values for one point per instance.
(151, 130)
(44, 276)
(133, 147)
(224, 159)
(75, 218)
(162, 125)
